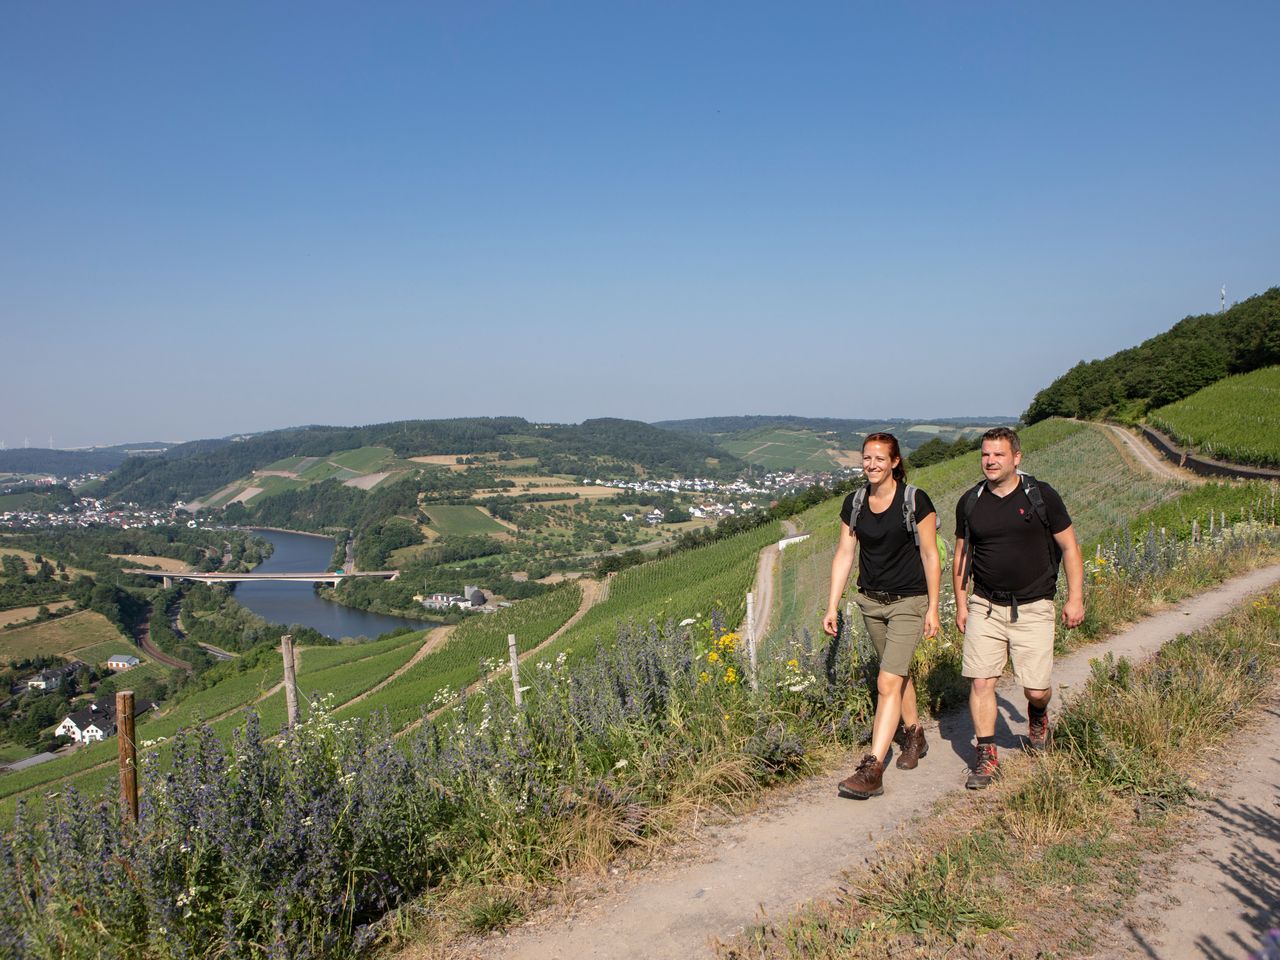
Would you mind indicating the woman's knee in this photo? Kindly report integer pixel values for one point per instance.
(890, 684)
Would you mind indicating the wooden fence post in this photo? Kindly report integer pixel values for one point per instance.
(751, 638)
(128, 754)
(515, 670)
(290, 680)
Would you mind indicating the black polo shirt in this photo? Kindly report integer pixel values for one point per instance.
(888, 558)
(1009, 546)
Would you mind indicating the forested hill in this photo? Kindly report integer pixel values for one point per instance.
(1197, 351)
(193, 470)
(69, 462)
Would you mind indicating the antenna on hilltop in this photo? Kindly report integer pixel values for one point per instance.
(26, 443)
(1222, 300)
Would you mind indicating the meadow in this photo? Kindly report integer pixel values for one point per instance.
(75, 632)
(1236, 419)
(776, 448)
(461, 520)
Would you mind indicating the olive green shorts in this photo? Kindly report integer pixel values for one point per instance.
(895, 629)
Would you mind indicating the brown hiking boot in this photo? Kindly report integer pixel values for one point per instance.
(986, 767)
(865, 781)
(1038, 735)
(915, 747)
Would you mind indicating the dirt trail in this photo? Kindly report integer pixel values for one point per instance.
(765, 576)
(1224, 891)
(1137, 450)
(797, 849)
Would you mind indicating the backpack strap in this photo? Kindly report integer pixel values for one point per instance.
(1032, 489)
(970, 501)
(909, 512)
(855, 508)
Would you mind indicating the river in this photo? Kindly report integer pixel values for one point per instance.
(290, 603)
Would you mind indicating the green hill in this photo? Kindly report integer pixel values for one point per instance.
(1236, 419)
(193, 471)
(1194, 353)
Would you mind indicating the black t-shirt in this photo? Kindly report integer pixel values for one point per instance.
(888, 558)
(1009, 546)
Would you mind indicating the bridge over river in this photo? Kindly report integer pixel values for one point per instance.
(335, 577)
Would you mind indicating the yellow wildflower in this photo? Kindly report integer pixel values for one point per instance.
(731, 675)
(704, 677)
(712, 657)
(793, 664)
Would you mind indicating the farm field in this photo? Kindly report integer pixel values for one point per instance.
(458, 662)
(1236, 419)
(363, 459)
(458, 520)
(62, 636)
(18, 614)
(780, 449)
(1103, 494)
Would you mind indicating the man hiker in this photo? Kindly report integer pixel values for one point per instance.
(1011, 532)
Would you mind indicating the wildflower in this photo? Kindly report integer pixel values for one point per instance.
(704, 677)
(731, 675)
(793, 664)
(713, 657)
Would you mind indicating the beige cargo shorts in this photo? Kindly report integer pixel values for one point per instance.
(991, 638)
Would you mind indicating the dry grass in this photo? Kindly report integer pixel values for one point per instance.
(168, 564)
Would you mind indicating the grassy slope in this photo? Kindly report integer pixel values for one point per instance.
(1236, 419)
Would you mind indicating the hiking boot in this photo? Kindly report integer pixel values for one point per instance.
(1038, 734)
(865, 781)
(915, 747)
(900, 736)
(986, 767)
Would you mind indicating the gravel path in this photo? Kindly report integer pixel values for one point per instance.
(776, 860)
(1222, 891)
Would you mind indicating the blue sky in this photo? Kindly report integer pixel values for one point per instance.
(233, 217)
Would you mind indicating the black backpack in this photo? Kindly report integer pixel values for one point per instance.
(1032, 489)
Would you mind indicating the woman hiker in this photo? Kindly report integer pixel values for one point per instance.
(898, 575)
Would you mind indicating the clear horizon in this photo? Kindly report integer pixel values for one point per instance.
(235, 218)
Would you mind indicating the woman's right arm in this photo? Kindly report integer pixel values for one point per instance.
(841, 567)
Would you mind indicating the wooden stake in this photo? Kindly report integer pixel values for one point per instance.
(290, 680)
(128, 754)
(751, 638)
(515, 670)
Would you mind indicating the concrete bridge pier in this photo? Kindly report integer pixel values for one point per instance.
(168, 582)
